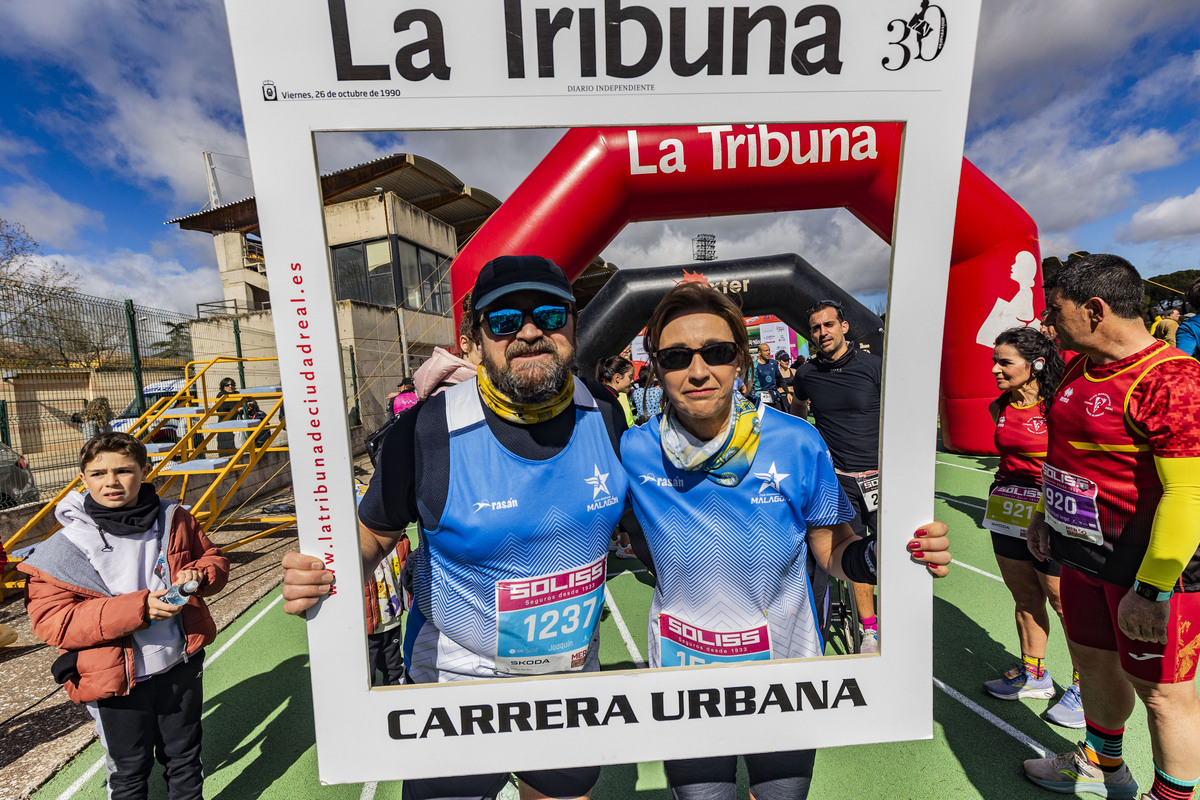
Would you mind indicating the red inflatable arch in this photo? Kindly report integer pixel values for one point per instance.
(597, 180)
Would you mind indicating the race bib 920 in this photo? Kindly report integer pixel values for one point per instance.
(1071, 505)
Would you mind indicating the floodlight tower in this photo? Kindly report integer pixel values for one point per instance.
(704, 247)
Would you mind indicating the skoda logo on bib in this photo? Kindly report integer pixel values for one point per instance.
(1097, 404)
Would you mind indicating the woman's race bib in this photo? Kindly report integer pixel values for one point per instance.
(682, 644)
(545, 624)
(1071, 505)
(1010, 509)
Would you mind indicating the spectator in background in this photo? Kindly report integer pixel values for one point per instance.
(1187, 338)
(445, 368)
(767, 380)
(404, 398)
(616, 373)
(647, 398)
(226, 409)
(95, 419)
(256, 415)
(786, 373)
(1166, 326)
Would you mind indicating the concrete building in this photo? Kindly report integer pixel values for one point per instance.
(393, 226)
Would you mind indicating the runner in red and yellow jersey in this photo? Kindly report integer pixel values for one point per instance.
(1121, 499)
(1027, 368)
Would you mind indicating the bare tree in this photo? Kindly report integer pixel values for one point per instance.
(29, 287)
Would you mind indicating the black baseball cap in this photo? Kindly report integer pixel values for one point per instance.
(508, 274)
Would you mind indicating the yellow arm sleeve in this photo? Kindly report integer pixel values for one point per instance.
(1175, 534)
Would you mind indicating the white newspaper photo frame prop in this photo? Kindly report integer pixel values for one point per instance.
(305, 66)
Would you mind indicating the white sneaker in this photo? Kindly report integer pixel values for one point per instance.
(870, 641)
(624, 551)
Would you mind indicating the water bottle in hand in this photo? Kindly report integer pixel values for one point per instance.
(178, 594)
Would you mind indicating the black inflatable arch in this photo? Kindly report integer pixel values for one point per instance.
(784, 285)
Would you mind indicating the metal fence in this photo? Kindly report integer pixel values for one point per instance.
(71, 363)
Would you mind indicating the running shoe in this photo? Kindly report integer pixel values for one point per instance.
(614, 544)
(624, 551)
(1072, 773)
(1068, 711)
(870, 641)
(1016, 684)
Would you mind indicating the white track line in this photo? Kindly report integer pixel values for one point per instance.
(368, 792)
(973, 469)
(985, 574)
(245, 628)
(960, 502)
(81, 780)
(74, 788)
(1040, 749)
(630, 645)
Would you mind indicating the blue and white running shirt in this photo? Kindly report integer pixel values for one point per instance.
(511, 581)
(731, 560)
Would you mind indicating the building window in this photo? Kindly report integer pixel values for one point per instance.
(417, 279)
(424, 278)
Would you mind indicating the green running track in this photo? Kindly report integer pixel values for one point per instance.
(258, 726)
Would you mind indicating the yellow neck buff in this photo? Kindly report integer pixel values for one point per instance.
(523, 413)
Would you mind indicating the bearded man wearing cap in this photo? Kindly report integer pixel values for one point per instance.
(514, 477)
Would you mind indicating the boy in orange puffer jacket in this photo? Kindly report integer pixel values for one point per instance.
(95, 591)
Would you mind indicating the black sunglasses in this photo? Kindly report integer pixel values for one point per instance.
(507, 321)
(715, 355)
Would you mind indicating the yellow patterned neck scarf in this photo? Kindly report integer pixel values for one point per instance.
(724, 460)
(523, 413)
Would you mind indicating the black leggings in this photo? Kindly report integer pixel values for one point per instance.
(574, 782)
(785, 775)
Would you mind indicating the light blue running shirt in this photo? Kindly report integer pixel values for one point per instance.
(511, 581)
(731, 561)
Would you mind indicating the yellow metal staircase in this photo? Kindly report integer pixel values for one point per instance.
(197, 452)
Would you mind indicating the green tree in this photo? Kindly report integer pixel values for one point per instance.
(1161, 297)
(178, 344)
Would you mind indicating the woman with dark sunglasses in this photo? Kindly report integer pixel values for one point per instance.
(739, 495)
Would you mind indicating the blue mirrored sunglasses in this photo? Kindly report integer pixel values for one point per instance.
(507, 321)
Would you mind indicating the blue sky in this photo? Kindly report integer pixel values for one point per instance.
(1085, 111)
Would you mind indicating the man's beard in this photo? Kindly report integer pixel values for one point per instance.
(532, 384)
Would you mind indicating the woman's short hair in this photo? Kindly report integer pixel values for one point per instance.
(695, 298)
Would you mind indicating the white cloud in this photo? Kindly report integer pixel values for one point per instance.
(1178, 77)
(14, 149)
(149, 281)
(155, 84)
(493, 160)
(1031, 52)
(833, 241)
(1174, 218)
(50, 218)
(1061, 177)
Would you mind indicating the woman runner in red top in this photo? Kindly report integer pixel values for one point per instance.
(1027, 367)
